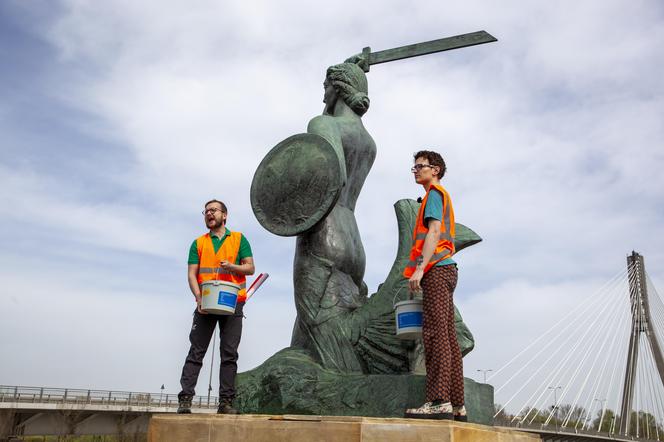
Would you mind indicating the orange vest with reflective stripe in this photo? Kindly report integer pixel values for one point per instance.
(445, 247)
(208, 264)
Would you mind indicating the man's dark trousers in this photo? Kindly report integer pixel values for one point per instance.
(230, 331)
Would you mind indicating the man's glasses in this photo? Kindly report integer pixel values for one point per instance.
(418, 167)
(212, 210)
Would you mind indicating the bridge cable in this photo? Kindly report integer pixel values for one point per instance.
(581, 311)
(562, 363)
(588, 329)
(622, 312)
(657, 326)
(620, 360)
(655, 399)
(583, 308)
(555, 326)
(652, 396)
(616, 362)
(591, 345)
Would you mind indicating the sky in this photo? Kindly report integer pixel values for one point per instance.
(119, 119)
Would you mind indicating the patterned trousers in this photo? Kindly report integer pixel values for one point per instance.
(444, 380)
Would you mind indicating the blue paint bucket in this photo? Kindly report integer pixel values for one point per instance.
(219, 297)
(408, 318)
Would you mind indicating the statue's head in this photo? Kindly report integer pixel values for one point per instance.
(351, 85)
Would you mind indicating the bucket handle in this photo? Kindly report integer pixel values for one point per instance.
(410, 295)
(216, 276)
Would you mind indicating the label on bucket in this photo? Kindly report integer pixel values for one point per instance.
(227, 299)
(409, 319)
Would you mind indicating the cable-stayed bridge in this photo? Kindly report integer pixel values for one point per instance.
(598, 372)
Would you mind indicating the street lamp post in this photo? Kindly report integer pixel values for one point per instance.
(214, 341)
(555, 403)
(601, 407)
(485, 372)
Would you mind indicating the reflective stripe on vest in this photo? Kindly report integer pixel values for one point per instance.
(213, 270)
(209, 261)
(443, 235)
(445, 246)
(435, 258)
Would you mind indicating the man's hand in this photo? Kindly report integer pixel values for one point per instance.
(198, 305)
(246, 267)
(414, 281)
(228, 266)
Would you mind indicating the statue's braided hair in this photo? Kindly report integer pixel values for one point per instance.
(351, 84)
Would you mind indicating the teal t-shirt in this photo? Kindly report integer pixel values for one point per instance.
(434, 210)
(245, 248)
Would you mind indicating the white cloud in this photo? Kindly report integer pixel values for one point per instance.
(35, 202)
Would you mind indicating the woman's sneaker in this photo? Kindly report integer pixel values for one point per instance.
(460, 414)
(431, 410)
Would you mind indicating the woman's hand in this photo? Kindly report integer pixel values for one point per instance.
(414, 281)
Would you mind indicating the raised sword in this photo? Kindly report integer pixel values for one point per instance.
(368, 58)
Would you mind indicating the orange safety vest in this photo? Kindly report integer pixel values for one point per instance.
(208, 264)
(445, 247)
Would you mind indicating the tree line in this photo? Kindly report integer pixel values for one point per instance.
(569, 417)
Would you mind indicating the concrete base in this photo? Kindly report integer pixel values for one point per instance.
(291, 428)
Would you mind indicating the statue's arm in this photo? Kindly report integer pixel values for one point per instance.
(325, 126)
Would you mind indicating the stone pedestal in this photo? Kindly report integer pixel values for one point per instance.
(290, 382)
(292, 428)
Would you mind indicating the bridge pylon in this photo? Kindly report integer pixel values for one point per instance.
(642, 324)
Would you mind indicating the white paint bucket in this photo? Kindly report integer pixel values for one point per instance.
(219, 297)
(408, 318)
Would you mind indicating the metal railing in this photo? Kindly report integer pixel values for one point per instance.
(77, 396)
(553, 429)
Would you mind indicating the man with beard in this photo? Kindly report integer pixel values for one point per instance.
(217, 255)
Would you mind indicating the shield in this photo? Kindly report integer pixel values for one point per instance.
(296, 185)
